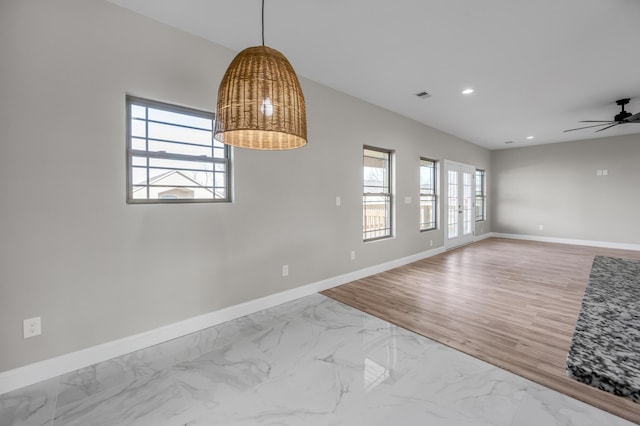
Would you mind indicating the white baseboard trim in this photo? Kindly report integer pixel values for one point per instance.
(604, 244)
(482, 237)
(33, 373)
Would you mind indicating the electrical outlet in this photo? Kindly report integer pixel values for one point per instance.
(338, 201)
(407, 200)
(353, 255)
(430, 243)
(285, 270)
(32, 327)
(541, 227)
(605, 172)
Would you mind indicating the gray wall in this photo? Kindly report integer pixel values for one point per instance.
(557, 186)
(96, 269)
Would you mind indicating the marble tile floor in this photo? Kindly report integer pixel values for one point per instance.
(313, 361)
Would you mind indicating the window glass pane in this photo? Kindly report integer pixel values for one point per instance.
(138, 111)
(220, 180)
(138, 161)
(219, 153)
(376, 203)
(154, 174)
(427, 212)
(479, 209)
(376, 153)
(138, 175)
(180, 177)
(139, 144)
(139, 192)
(176, 148)
(452, 205)
(428, 200)
(376, 218)
(179, 134)
(467, 204)
(180, 119)
(376, 171)
(480, 195)
(138, 128)
(176, 193)
(174, 160)
(427, 177)
(220, 193)
(180, 164)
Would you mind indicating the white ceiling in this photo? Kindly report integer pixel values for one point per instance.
(537, 67)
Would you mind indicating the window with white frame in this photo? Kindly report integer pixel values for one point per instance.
(428, 194)
(172, 156)
(377, 197)
(481, 196)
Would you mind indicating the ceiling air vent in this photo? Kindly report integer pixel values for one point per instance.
(423, 95)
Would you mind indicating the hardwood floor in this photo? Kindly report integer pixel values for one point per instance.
(511, 303)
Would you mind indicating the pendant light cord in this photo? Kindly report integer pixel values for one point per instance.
(263, 22)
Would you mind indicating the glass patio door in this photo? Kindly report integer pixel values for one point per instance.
(460, 200)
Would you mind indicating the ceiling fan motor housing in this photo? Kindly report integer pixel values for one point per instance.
(622, 116)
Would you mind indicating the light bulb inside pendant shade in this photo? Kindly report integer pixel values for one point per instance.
(260, 103)
(266, 108)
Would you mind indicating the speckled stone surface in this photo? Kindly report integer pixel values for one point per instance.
(605, 348)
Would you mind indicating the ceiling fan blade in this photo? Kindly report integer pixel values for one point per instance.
(635, 118)
(596, 121)
(615, 124)
(587, 127)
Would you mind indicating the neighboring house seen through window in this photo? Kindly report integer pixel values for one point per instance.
(428, 194)
(481, 196)
(172, 156)
(377, 197)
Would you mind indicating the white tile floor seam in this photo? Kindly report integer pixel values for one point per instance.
(313, 361)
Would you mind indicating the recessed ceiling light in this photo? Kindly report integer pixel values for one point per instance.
(529, 137)
(467, 91)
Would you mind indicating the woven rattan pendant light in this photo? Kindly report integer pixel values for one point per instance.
(260, 102)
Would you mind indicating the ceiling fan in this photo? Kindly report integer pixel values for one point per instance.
(621, 118)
